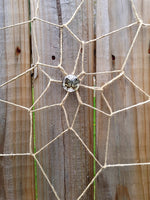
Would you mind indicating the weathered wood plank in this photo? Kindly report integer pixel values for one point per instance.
(16, 174)
(78, 163)
(66, 162)
(48, 123)
(129, 130)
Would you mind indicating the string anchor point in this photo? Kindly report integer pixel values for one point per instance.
(140, 21)
(71, 83)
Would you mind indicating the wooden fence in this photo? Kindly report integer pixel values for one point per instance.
(66, 162)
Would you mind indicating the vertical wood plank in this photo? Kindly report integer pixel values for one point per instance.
(67, 164)
(129, 130)
(17, 173)
(78, 162)
(49, 122)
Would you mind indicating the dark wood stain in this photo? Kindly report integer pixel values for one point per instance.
(122, 193)
(18, 51)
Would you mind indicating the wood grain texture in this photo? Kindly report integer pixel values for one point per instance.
(16, 174)
(66, 162)
(48, 123)
(129, 130)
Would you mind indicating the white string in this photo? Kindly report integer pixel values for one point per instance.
(14, 154)
(131, 47)
(91, 182)
(61, 46)
(104, 72)
(18, 76)
(80, 102)
(46, 177)
(107, 142)
(44, 147)
(110, 33)
(128, 165)
(88, 150)
(74, 14)
(77, 59)
(46, 107)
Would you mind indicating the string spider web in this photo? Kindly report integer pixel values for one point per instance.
(110, 114)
